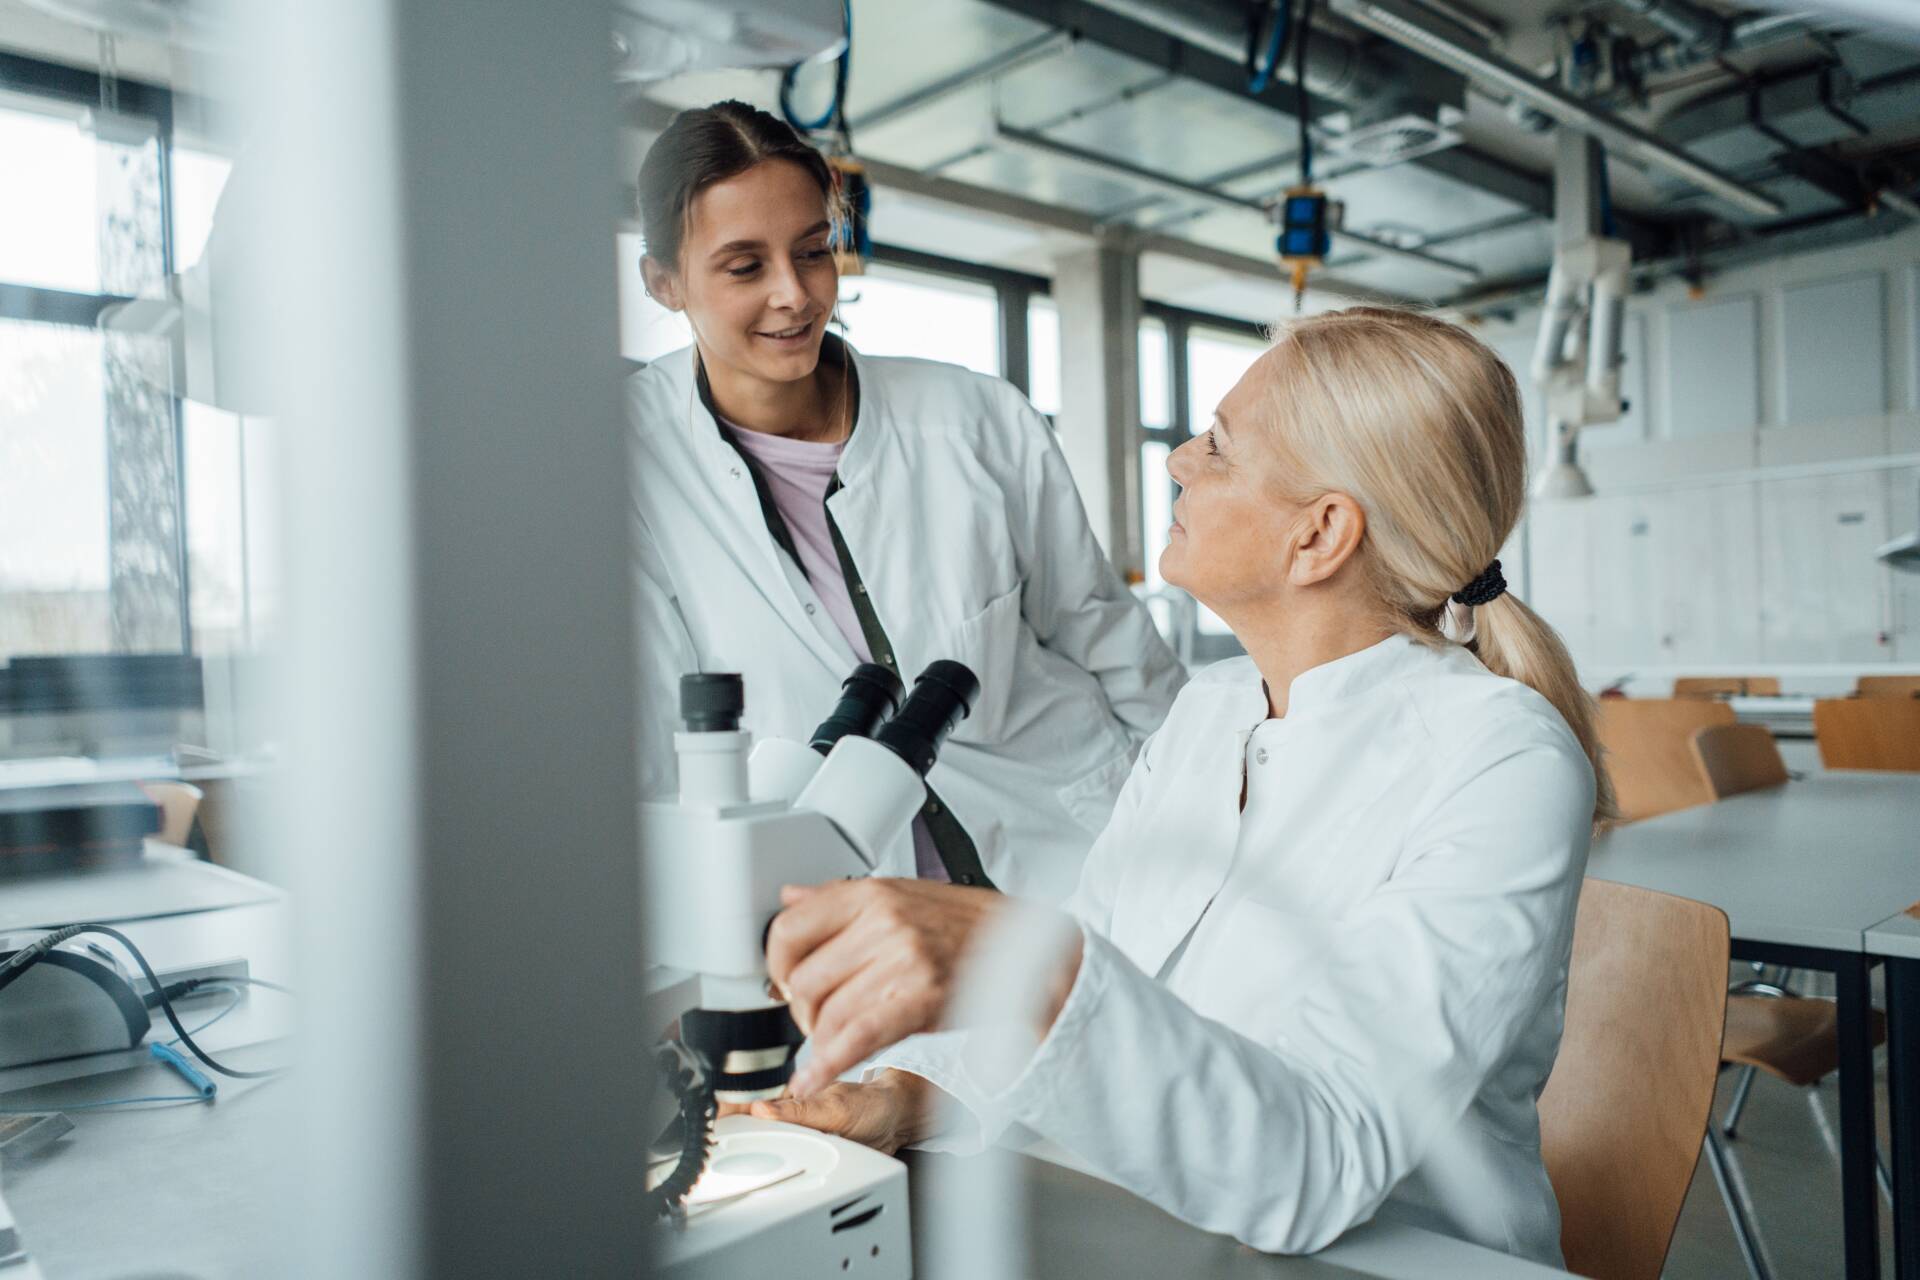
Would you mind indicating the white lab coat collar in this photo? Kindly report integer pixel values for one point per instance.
(705, 438)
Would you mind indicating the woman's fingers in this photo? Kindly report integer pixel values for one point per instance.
(824, 969)
(809, 921)
(886, 1001)
(873, 1114)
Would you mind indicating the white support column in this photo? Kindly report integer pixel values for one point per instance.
(460, 827)
(1098, 293)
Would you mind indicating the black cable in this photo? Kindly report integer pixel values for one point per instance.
(27, 957)
(1303, 101)
(689, 1077)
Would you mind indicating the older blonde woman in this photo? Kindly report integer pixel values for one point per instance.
(1322, 945)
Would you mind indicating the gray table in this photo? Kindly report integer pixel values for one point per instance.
(1896, 941)
(196, 1189)
(1803, 872)
(1079, 1226)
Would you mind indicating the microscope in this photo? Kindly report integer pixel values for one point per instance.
(736, 1194)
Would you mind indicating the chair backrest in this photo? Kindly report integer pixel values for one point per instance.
(178, 802)
(1888, 687)
(1625, 1110)
(1868, 733)
(1649, 746)
(1715, 686)
(1738, 757)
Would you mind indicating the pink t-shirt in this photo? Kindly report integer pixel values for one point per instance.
(797, 474)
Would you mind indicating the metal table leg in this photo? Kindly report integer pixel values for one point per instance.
(1860, 1198)
(1903, 1110)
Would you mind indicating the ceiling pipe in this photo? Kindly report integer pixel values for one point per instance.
(1625, 140)
(1337, 67)
(1040, 144)
(1046, 45)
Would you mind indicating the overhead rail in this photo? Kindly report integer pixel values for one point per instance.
(1026, 140)
(1492, 71)
(1047, 44)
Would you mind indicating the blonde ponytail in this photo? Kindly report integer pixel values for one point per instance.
(1514, 641)
(1420, 422)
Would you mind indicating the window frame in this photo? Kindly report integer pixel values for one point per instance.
(1180, 322)
(1012, 290)
(32, 77)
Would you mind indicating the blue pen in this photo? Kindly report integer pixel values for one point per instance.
(190, 1073)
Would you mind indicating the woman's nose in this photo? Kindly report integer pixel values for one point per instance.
(1177, 461)
(787, 295)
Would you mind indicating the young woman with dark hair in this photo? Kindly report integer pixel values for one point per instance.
(801, 507)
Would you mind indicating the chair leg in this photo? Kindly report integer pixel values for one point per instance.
(1738, 1102)
(1734, 1197)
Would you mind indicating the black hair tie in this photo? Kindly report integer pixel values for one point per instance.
(1488, 586)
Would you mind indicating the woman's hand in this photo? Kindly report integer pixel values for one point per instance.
(867, 963)
(895, 1109)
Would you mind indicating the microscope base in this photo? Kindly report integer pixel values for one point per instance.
(823, 1207)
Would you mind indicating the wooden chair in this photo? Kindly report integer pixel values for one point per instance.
(178, 802)
(1649, 746)
(1724, 686)
(1888, 687)
(1625, 1110)
(1868, 733)
(1738, 757)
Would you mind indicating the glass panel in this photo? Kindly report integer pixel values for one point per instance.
(647, 329)
(1215, 361)
(53, 491)
(198, 179)
(1156, 376)
(260, 440)
(1157, 491)
(890, 312)
(48, 202)
(1043, 354)
(216, 556)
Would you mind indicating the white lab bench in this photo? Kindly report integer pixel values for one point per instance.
(194, 1189)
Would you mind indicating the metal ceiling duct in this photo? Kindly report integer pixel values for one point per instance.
(1626, 140)
(1337, 68)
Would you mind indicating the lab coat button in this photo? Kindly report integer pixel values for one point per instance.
(734, 472)
(859, 588)
(809, 611)
(1260, 756)
(933, 806)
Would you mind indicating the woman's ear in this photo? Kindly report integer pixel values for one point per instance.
(1327, 537)
(663, 286)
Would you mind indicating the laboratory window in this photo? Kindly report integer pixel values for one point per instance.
(895, 311)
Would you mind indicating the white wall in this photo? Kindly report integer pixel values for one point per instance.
(1772, 445)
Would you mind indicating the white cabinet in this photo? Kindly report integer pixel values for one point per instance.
(1628, 620)
(1823, 595)
(1903, 517)
(1708, 571)
(1560, 572)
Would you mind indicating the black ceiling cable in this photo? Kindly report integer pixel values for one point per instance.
(1303, 101)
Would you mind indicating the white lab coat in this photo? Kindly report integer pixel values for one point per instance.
(1348, 993)
(959, 512)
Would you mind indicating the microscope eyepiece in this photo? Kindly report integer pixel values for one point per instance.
(711, 701)
(867, 697)
(942, 696)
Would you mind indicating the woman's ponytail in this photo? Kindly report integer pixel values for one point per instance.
(1514, 641)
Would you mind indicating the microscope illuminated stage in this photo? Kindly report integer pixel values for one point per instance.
(741, 1193)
